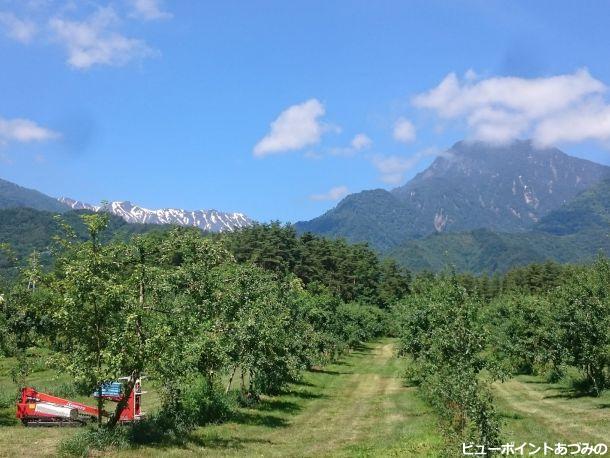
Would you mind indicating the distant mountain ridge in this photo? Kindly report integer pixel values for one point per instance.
(207, 220)
(15, 196)
(473, 185)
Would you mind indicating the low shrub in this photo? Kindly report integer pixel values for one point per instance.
(205, 402)
(85, 441)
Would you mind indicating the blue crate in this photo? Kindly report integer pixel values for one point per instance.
(112, 389)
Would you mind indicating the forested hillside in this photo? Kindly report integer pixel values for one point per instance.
(14, 196)
(576, 232)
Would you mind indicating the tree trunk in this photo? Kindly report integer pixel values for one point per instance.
(231, 379)
(123, 402)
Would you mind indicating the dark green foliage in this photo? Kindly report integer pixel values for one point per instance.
(524, 340)
(583, 323)
(352, 272)
(443, 331)
(576, 232)
(550, 317)
(204, 401)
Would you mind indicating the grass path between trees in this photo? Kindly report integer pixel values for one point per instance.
(358, 407)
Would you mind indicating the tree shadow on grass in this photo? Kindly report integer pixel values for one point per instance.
(303, 383)
(233, 443)
(328, 372)
(566, 393)
(604, 406)
(360, 352)
(269, 405)
(208, 441)
(303, 394)
(361, 349)
(251, 418)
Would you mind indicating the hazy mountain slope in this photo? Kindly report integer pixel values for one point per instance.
(15, 196)
(473, 185)
(589, 211)
(376, 216)
(575, 232)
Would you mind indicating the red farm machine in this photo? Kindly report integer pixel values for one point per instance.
(40, 409)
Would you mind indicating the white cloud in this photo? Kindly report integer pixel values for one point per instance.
(95, 41)
(149, 10)
(18, 29)
(470, 75)
(392, 168)
(404, 131)
(313, 155)
(559, 108)
(335, 193)
(360, 142)
(24, 131)
(588, 122)
(296, 127)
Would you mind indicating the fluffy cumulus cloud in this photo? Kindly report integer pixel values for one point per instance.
(588, 122)
(21, 30)
(95, 40)
(335, 193)
(295, 128)
(392, 168)
(555, 109)
(23, 131)
(360, 142)
(149, 10)
(404, 131)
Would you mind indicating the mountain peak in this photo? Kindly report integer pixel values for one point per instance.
(207, 220)
(472, 185)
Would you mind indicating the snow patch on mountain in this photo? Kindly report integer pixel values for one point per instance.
(208, 220)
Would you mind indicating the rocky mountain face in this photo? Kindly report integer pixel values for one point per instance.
(208, 220)
(507, 188)
(472, 185)
(575, 232)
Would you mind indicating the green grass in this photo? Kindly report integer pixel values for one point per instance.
(535, 411)
(357, 407)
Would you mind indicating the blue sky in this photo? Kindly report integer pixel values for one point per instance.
(171, 104)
